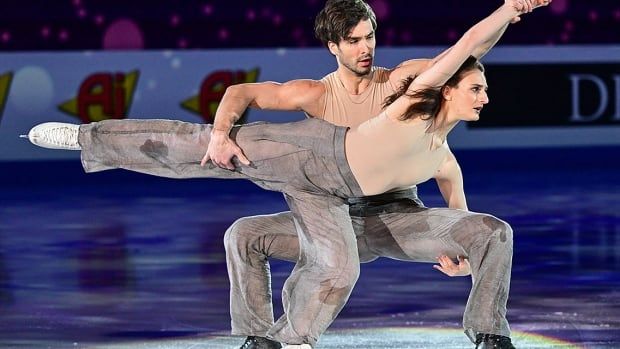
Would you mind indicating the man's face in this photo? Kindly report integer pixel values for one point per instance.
(356, 52)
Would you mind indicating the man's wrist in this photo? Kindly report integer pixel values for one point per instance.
(220, 130)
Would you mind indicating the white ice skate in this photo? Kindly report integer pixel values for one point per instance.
(55, 135)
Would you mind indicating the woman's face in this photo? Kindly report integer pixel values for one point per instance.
(466, 100)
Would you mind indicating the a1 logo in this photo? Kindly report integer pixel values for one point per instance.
(103, 96)
(212, 89)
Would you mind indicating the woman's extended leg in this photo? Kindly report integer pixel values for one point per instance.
(297, 155)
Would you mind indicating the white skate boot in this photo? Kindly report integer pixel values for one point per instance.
(55, 135)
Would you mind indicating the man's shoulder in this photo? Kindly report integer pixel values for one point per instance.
(317, 87)
(308, 95)
(327, 77)
(306, 85)
(381, 74)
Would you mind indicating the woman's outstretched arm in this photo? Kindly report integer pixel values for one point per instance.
(448, 64)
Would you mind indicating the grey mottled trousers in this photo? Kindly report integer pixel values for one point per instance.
(305, 160)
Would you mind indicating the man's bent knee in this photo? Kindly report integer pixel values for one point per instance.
(239, 237)
(342, 276)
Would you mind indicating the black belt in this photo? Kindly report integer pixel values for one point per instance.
(382, 203)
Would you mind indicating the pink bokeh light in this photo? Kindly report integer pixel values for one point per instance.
(381, 9)
(6, 37)
(559, 7)
(123, 34)
(63, 35)
(297, 33)
(250, 15)
(207, 9)
(223, 34)
(406, 36)
(452, 35)
(175, 20)
(593, 16)
(45, 32)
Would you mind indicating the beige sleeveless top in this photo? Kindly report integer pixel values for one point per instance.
(343, 109)
(387, 154)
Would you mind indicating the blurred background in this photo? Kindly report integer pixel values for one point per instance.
(202, 24)
(118, 259)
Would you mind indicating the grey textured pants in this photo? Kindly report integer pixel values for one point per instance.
(306, 161)
(404, 231)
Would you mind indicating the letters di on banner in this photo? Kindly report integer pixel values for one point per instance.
(551, 95)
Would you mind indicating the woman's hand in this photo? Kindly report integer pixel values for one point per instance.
(525, 6)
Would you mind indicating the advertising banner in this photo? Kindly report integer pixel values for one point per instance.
(539, 96)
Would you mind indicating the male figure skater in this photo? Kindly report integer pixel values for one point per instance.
(348, 96)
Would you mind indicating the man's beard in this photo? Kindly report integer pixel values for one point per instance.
(359, 71)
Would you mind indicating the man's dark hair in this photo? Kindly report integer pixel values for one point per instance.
(338, 17)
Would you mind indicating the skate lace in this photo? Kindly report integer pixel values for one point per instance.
(62, 136)
(248, 341)
(496, 341)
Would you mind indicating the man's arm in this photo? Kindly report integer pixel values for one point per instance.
(450, 182)
(306, 95)
(291, 95)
